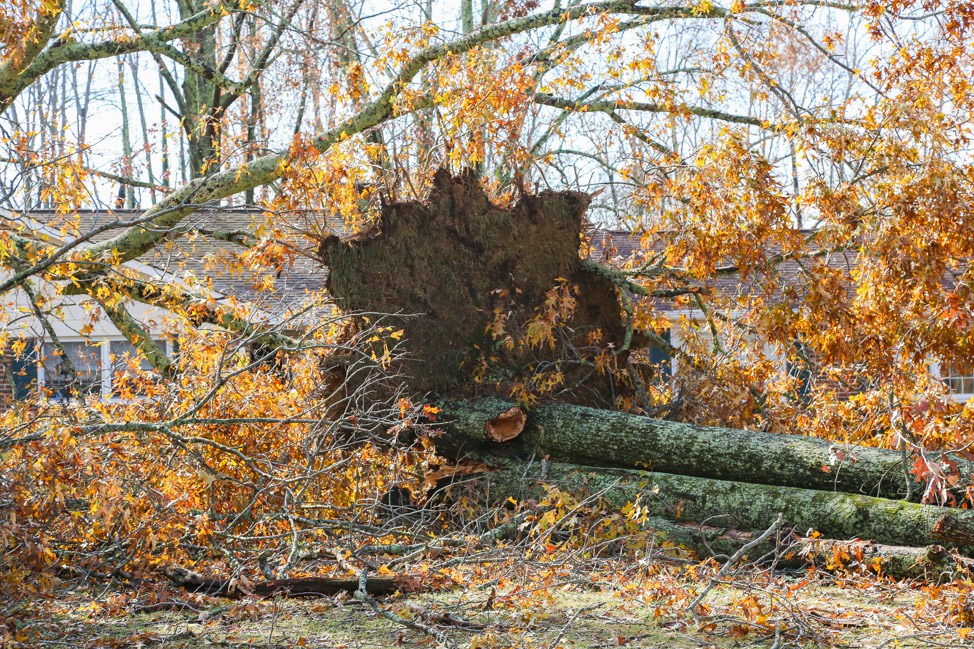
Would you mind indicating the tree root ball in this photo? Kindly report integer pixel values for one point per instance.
(451, 265)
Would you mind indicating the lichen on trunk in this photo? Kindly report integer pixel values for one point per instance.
(740, 505)
(586, 436)
(456, 265)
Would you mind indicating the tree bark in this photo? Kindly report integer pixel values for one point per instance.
(742, 505)
(294, 587)
(933, 563)
(593, 437)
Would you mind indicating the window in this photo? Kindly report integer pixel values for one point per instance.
(87, 368)
(76, 371)
(23, 369)
(123, 359)
(661, 359)
(959, 377)
(798, 367)
(655, 362)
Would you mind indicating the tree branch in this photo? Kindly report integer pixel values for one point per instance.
(612, 106)
(266, 169)
(137, 335)
(198, 309)
(13, 82)
(36, 39)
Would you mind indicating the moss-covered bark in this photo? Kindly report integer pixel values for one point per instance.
(601, 438)
(932, 563)
(740, 505)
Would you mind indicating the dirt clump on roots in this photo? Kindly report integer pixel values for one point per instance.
(457, 263)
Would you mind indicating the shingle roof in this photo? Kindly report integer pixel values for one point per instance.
(620, 248)
(198, 253)
(195, 251)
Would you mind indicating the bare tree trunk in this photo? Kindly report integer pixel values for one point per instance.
(251, 136)
(466, 16)
(146, 146)
(252, 115)
(126, 139)
(198, 93)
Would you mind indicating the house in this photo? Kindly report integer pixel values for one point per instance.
(200, 259)
(619, 248)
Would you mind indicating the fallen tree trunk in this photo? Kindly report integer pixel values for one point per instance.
(932, 563)
(743, 505)
(593, 437)
(295, 587)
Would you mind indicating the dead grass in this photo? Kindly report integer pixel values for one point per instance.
(576, 613)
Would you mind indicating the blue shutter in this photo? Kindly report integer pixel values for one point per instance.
(24, 370)
(660, 358)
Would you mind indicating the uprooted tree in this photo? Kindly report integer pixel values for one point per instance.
(451, 261)
(799, 194)
(488, 293)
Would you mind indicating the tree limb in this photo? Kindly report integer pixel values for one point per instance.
(36, 39)
(14, 81)
(137, 335)
(612, 106)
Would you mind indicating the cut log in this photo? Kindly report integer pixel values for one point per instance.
(743, 505)
(506, 426)
(295, 587)
(932, 563)
(592, 437)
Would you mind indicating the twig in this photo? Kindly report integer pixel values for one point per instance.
(363, 596)
(692, 607)
(571, 620)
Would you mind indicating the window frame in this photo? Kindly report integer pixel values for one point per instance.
(42, 369)
(936, 369)
(105, 345)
